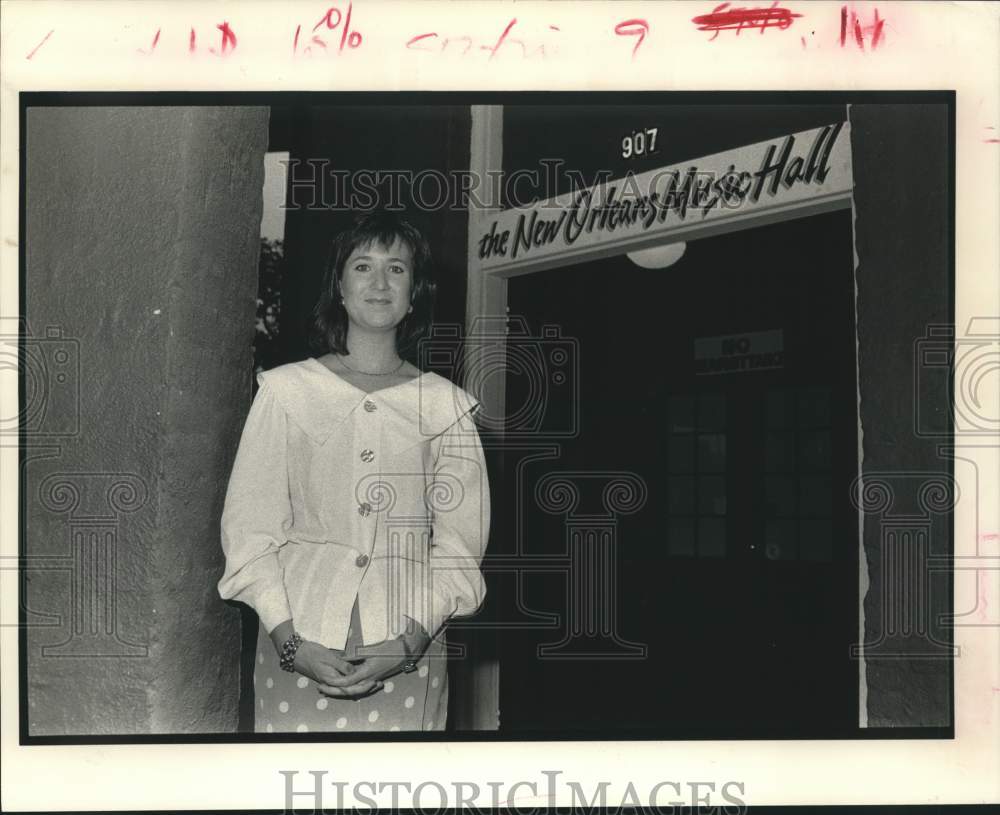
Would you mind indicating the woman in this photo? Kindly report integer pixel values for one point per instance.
(358, 507)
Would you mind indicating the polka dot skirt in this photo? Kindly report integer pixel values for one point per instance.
(288, 702)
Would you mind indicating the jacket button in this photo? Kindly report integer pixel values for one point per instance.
(370, 406)
(361, 561)
(364, 510)
(367, 456)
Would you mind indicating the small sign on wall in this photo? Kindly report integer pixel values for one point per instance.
(739, 353)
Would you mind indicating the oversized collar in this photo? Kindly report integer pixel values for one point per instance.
(317, 401)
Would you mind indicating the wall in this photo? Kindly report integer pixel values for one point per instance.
(905, 282)
(141, 263)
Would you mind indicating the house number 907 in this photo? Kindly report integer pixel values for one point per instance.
(639, 143)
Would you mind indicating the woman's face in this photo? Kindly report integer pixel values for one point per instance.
(376, 285)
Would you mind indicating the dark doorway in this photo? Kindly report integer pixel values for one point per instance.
(732, 600)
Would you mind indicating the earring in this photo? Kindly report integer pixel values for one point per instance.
(409, 310)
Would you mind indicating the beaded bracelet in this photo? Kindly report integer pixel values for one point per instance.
(288, 649)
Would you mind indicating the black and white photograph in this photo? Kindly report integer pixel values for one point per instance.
(497, 419)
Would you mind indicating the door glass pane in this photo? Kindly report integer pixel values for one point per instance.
(680, 536)
(711, 453)
(712, 495)
(814, 407)
(815, 499)
(680, 454)
(779, 494)
(680, 410)
(779, 452)
(779, 540)
(711, 537)
(814, 450)
(780, 409)
(680, 495)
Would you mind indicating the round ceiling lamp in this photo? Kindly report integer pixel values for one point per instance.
(658, 257)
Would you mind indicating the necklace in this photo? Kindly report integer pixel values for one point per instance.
(402, 362)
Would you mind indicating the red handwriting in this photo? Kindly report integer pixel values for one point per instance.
(859, 31)
(152, 48)
(433, 42)
(991, 141)
(633, 28)
(228, 41)
(500, 41)
(33, 50)
(228, 38)
(333, 18)
(724, 18)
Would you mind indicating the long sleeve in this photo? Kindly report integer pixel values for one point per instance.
(459, 498)
(257, 510)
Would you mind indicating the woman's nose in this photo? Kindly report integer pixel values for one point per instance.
(381, 280)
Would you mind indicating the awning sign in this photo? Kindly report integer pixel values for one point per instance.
(739, 353)
(809, 172)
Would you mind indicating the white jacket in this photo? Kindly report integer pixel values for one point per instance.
(336, 494)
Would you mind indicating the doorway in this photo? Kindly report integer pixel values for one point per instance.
(722, 392)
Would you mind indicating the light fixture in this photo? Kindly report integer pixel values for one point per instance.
(658, 257)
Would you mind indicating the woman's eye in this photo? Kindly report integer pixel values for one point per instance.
(361, 267)
(399, 269)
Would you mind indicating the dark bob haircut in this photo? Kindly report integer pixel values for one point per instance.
(328, 331)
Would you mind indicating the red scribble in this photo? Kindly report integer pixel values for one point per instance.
(228, 39)
(192, 42)
(152, 48)
(496, 47)
(989, 536)
(633, 28)
(722, 19)
(991, 141)
(33, 50)
(464, 38)
(410, 42)
(351, 39)
(875, 29)
(441, 44)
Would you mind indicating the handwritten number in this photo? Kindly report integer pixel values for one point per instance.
(633, 28)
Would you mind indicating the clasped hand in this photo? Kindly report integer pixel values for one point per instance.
(339, 675)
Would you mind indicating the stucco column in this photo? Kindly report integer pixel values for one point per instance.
(142, 230)
(902, 199)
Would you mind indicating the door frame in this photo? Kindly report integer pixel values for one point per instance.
(486, 313)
